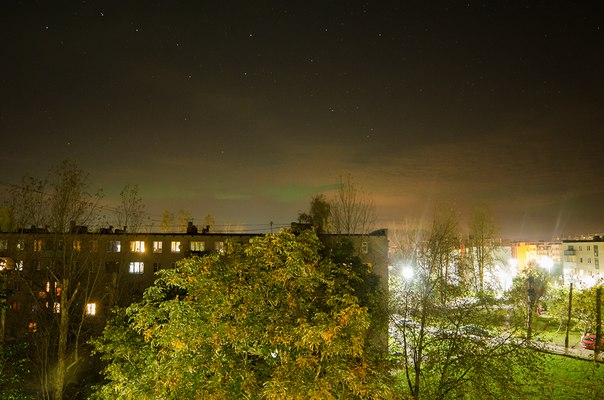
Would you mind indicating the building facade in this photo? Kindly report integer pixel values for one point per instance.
(113, 267)
(581, 261)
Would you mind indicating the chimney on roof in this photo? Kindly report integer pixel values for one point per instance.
(191, 229)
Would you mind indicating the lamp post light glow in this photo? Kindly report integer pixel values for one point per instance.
(407, 272)
(547, 263)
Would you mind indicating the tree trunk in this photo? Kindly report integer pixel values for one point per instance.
(62, 348)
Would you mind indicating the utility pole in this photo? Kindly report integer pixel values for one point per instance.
(597, 347)
(570, 308)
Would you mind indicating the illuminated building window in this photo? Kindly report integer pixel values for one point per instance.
(91, 309)
(38, 245)
(157, 246)
(219, 247)
(57, 308)
(175, 247)
(3, 244)
(47, 287)
(32, 327)
(114, 246)
(198, 246)
(136, 267)
(137, 246)
(20, 244)
(77, 245)
(19, 265)
(94, 246)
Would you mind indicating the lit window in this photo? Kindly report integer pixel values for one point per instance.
(77, 245)
(136, 267)
(219, 247)
(57, 308)
(175, 247)
(20, 244)
(32, 327)
(91, 309)
(198, 246)
(19, 265)
(114, 246)
(38, 245)
(157, 246)
(137, 246)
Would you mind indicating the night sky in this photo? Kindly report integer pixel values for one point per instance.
(244, 110)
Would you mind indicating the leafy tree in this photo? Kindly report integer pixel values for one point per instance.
(270, 319)
(584, 308)
(528, 288)
(319, 214)
(13, 367)
(447, 345)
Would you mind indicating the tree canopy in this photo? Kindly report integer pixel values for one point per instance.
(270, 319)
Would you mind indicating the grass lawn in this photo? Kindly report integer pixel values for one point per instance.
(570, 379)
(549, 330)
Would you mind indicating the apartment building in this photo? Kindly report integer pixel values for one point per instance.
(114, 267)
(581, 263)
(545, 254)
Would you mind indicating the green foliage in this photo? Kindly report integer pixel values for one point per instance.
(584, 308)
(13, 371)
(265, 320)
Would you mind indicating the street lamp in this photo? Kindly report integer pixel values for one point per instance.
(407, 273)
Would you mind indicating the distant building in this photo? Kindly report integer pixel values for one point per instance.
(543, 254)
(581, 262)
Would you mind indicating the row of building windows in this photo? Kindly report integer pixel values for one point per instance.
(587, 248)
(115, 246)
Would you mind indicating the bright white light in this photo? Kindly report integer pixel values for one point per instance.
(546, 262)
(407, 272)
